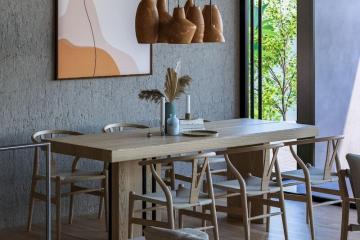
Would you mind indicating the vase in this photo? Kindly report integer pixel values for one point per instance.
(173, 125)
(164, 19)
(195, 16)
(180, 29)
(213, 24)
(170, 109)
(147, 22)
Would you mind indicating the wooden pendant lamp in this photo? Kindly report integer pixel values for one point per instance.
(194, 15)
(180, 30)
(188, 4)
(164, 19)
(147, 22)
(213, 24)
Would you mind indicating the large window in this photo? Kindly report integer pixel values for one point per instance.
(272, 88)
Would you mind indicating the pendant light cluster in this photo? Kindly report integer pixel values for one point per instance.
(153, 23)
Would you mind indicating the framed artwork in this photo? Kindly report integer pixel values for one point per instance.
(96, 38)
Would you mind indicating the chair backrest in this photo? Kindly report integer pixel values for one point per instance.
(269, 163)
(354, 176)
(332, 148)
(198, 173)
(119, 127)
(40, 136)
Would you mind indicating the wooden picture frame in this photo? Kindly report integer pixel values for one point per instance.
(90, 43)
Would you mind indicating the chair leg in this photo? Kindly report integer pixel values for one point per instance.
(131, 212)
(309, 207)
(307, 213)
(58, 208)
(31, 210)
(283, 215)
(101, 203)
(172, 176)
(106, 197)
(244, 208)
(31, 204)
(101, 206)
(268, 210)
(170, 217)
(345, 220)
(71, 207)
(181, 222)
(203, 221)
(214, 220)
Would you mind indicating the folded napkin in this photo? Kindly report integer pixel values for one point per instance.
(154, 233)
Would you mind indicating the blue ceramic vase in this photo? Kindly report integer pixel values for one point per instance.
(170, 109)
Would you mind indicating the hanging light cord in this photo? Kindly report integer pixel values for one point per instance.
(93, 38)
(178, 3)
(210, 13)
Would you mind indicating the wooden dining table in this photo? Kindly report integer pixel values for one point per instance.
(124, 150)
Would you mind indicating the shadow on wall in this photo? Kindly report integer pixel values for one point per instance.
(352, 122)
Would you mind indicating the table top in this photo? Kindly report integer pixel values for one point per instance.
(134, 144)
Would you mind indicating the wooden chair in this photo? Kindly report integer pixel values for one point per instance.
(353, 175)
(251, 188)
(184, 200)
(215, 160)
(313, 177)
(63, 178)
(119, 127)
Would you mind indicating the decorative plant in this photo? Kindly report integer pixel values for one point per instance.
(173, 88)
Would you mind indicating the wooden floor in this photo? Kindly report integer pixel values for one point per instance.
(327, 220)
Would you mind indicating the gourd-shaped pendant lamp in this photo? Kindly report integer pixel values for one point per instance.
(213, 24)
(147, 22)
(194, 15)
(188, 4)
(164, 19)
(180, 30)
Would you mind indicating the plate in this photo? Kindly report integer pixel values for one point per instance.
(201, 133)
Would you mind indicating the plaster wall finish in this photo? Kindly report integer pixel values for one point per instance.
(31, 100)
(337, 53)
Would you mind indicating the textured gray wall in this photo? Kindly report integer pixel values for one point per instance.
(337, 35)
(31, 100)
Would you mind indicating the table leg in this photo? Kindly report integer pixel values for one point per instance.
(124, 177)
(246, 163)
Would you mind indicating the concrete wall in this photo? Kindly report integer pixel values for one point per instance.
(31, 100)
(337, 36)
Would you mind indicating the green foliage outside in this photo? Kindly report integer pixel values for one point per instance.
(279, 58)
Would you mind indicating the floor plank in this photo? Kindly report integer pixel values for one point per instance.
(327, 220)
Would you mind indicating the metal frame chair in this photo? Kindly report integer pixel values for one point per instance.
(74, 177)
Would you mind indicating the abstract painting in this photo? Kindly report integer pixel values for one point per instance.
(96, 38)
